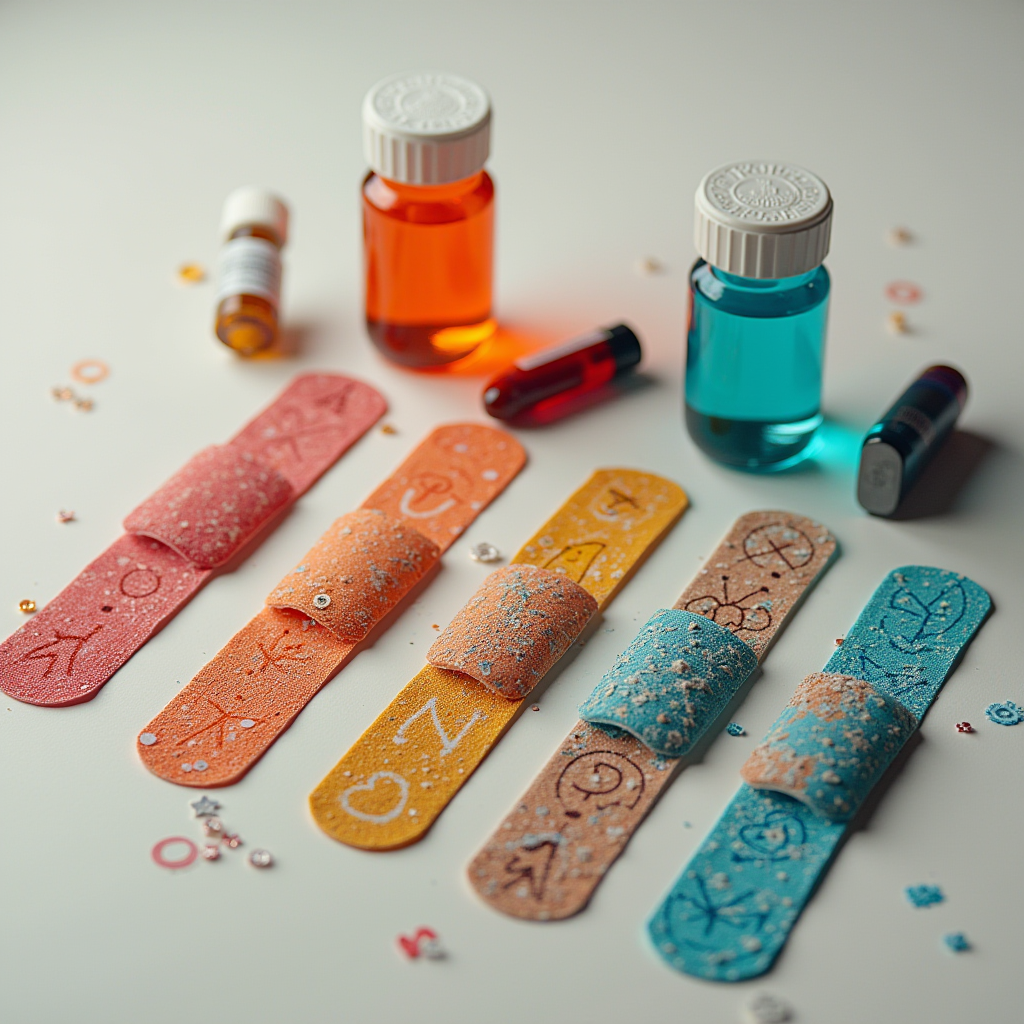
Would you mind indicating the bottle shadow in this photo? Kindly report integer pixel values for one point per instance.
(947, 476)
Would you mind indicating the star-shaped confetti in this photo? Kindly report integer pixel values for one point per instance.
(204, 807)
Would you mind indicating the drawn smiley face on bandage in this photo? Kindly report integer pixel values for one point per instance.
(598, 780)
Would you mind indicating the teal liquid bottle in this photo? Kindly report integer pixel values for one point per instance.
(758, 310)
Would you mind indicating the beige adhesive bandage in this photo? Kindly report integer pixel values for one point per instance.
(550, 853)
(391, 786)
(226, 718)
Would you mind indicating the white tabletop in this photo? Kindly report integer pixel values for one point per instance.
(124, 126)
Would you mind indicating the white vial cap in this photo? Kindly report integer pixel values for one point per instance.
(428, 128)
(762, 219)
(251, 205)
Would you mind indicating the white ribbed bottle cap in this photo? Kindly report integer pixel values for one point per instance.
(763, 220)
(426, 129)
(251, 205)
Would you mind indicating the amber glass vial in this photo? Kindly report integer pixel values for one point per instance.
(428, 218)
(255, 229)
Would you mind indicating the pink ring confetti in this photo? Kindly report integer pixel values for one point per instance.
(157, 853)
(903, 292)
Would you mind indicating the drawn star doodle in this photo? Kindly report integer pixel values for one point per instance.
(63, 645)
(219, 723)
(292, 424)
(278, 656)
(700, 908)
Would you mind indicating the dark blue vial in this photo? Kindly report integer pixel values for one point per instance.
(758, 309)
(899, 446)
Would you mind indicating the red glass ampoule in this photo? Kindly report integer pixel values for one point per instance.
(546, 385)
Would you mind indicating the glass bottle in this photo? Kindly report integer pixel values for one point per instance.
(254, 226)
(758, 308)
(428, 218)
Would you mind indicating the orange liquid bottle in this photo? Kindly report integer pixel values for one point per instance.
(255, 229)
(428, 218)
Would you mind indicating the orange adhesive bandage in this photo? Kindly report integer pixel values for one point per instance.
(223, 721)
(402, 772)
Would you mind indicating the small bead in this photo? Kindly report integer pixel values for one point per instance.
(233, 840)
(27, 606)
(897, 322)
(213, 827)
(211, 852)
(65, 516)
(191, 273)
(964, 727)
(261, 859)
(484, 552)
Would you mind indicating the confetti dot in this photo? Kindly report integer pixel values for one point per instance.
(147, 739)
(1004, 713)
(191, 273)
(924, 895)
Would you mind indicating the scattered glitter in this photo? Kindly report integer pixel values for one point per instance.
(649, 266)
(62, 394)
(27, 606)
(896, 322)
(191, 273)
(735, 729)
(898, 236)
(147, 739)
(261, 859)
(903, 292)
(484, 552)
(536, 707)
(204, 807)
(388, 429)
(90, 371)
(1002, 713)
(246, 723)
(84, 404)
(200, 766)
(924, 895)
(957, 942)
(191, 852)
(424, 942)
(65, 516)
(839, 641)
(767, 1009)
(233, 840)
(211, 852)
(964, 727)
(213, 827)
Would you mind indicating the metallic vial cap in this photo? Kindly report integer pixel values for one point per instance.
(428, 128)
(762, 219)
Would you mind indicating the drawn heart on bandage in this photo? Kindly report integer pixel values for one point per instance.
(370, 786)
(774, 836)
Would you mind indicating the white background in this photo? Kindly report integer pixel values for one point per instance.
(124, 125)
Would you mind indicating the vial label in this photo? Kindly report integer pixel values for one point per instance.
(916, 420)
(549, 355)
(250, 266)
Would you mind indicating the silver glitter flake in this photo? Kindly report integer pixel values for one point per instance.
(321, 601)
(204, 807)
(766, 1009)
(147, 739)
(484, 552)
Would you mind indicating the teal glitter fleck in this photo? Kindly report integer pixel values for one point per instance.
(1004, 713)
(957, 942)
(924, 895)
(735, 729)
